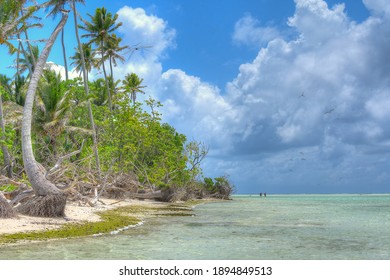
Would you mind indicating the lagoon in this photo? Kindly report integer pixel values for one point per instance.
(249, 227)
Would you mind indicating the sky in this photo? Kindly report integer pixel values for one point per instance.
(289, 96)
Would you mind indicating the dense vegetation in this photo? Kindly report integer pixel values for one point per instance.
(90, 137)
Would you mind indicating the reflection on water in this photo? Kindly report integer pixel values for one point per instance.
(276, 227)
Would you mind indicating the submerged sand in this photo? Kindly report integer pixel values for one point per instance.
(74, 213)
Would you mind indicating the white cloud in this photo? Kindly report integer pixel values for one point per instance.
(316, 23)
(379, 7)
(319, 84)
(149, 37)
(328, 89)
(248, 31)
(59, 69)
(138, 27)
(302, 108)
(379, 106)
(195, 107)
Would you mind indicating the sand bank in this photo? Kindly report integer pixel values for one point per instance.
(75, 213)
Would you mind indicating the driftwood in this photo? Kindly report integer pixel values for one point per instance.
(21, 196)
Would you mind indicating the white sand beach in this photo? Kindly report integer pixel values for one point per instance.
(74, 213)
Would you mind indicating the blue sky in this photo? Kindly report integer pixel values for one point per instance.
(290, 96)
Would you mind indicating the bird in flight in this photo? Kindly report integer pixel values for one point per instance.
(329, 111)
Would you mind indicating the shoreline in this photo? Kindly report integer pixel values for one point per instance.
(74, 213)
(111, 217)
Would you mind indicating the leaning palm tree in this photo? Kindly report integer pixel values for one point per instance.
(99, 30)
(132, 85)
(49, 201)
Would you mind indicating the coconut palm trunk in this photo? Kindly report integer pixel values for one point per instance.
(49, 201)
(106, 79)
(86, 88)
(64, 55)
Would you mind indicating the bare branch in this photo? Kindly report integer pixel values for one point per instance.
(61, 159)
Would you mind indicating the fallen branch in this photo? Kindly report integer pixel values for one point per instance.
(61, 159)
(21, 196)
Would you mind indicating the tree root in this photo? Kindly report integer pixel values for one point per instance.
(6, 211)
(51, 205)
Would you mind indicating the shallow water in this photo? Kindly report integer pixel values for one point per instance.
(248, 227)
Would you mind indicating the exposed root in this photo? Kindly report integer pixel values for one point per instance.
(51, 205)
(6, 211)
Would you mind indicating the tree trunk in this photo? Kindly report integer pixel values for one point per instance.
(86, 88)
(64, 54)
(29, 66)
(105, 77)
(49, 201)
(28, 42)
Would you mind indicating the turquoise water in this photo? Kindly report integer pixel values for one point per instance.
(278, 227)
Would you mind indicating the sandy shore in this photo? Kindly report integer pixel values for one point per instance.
(73, 211)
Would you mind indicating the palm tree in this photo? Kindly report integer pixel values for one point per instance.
(25, 26)
(19, 85)
(10, 18)
(27, 63)
(132, 85)
(99, 91)
(53, 104)
(112, 49)
(56, 7)
(86, 88)
(89, 59)
(98, 30)
(49, 201)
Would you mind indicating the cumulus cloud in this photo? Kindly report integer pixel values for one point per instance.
(248, 31)
(149, 38)
(327, 81)
(379, 7)
(59, 69)
(329, 88)
(196, 108)
(312, 108)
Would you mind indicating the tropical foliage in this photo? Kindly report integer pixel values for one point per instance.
(100, 119)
